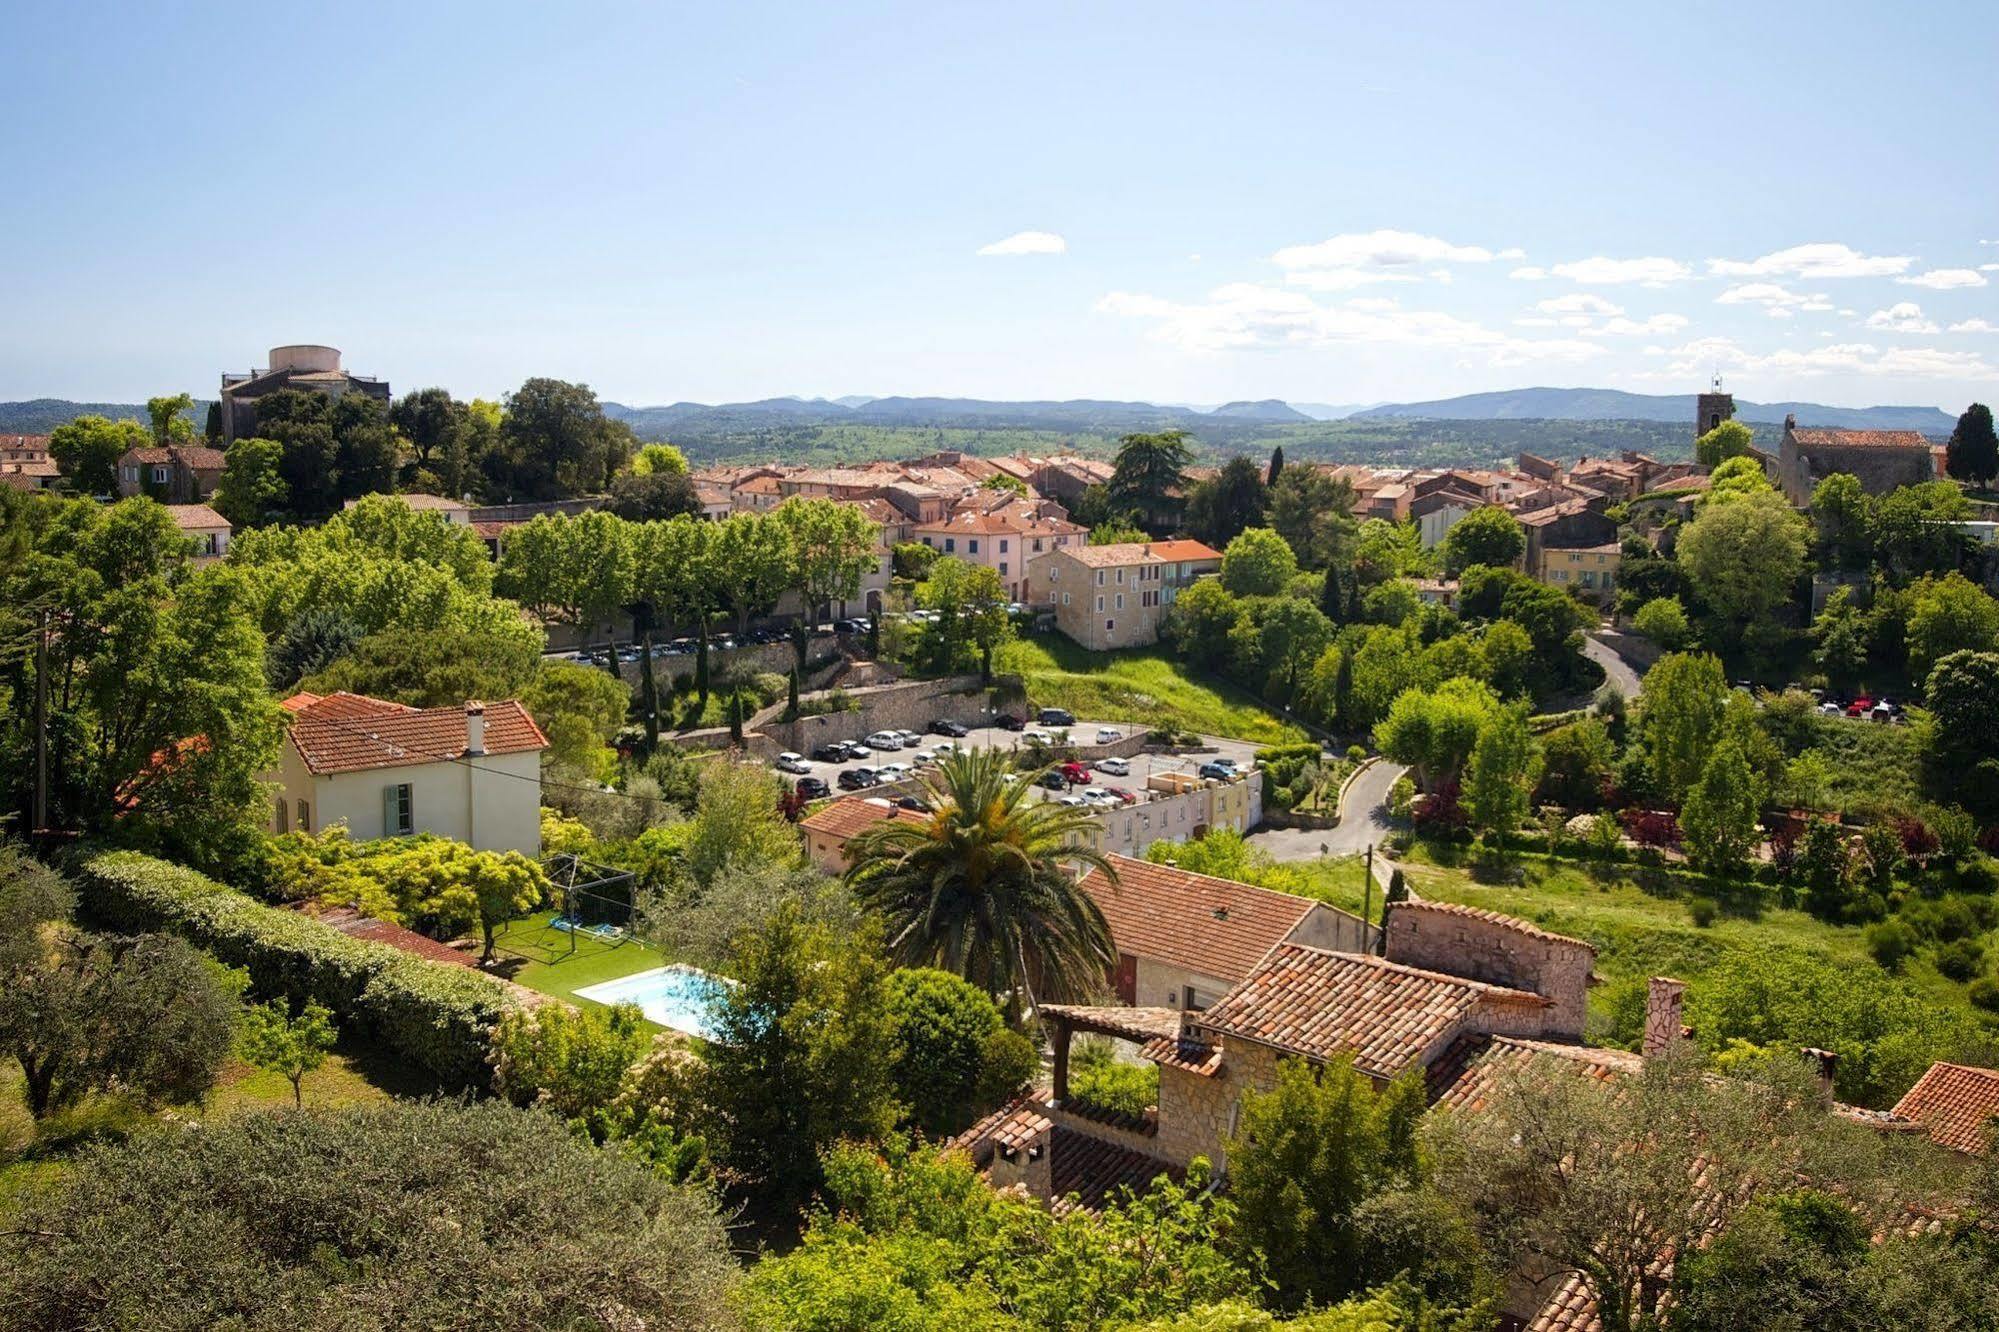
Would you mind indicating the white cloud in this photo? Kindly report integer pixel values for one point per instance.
(1988, 268)
(1027, 242)
(1652, 272)
(1821, 259)
(1578, 302)
(1515, 253)
(1251, 316)
(1622, 327)
(1847, 358)
(1362, 258)
(1901, 317)
(1975, 326)
(1529, 273)
(1944, 279)
(1772, 294)
(1534, 321)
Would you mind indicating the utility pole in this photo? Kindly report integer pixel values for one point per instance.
(1367, 888)
(41, 819)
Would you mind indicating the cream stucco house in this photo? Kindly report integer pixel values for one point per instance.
(470, 773)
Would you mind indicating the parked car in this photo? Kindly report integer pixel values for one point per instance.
(910, 802)
(858, 748)
(883, 741)
(1076, 773)
(1055, 717)
(1071, 800)
(1124, 797)
(1053, 780)
(924, 758)
(1099, 796)
(1109, 735)
(1831, 709)
(857, 779)
(851, 626)
(812, 788)
(945, 726)
(1115, 766)
(1006, 721)
(943, 747)
(1035, 733)
(907, 738)
(790, 762)
(1218, 771)
(892, 772)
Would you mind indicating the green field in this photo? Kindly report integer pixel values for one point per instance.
(560, 963)
(1143, 688)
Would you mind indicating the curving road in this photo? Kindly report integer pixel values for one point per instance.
(1363, 820)
(1616, 670)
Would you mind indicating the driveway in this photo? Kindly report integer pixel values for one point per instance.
(1363, 822)
(1616, 670)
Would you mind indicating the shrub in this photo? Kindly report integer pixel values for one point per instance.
(1891, 942)
(1978, 875)
(1703, 910)
(769, 687)
(1099, 1081)
(1918, 842)
(943, 1025)
(1984, 992)
(439, 1017)
(1651, 827)
(1961, 959)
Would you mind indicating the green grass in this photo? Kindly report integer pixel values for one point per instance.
(559, 963)
(1142, 687)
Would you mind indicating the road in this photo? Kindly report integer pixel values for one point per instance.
(1363, 821)
(1616, 670)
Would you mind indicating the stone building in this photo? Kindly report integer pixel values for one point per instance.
(1882, 460)
(302, 366)
(1712, 408)
(1116, 596)
(170, 473)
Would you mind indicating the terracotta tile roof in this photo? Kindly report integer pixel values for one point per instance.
(881, 511)
(1090, 1173)
(1012, 1126)
(1572, 1308)
(1185, 550)
(1519, 926)
(1132, 1024)
(348, 921)
(1549, 513)
(1956, 1102)
(1187, 1053)
(32, 467)
(342, 704)
(761, 484)
(1213, 927)
(1116, 555)
(351, 733)
(199, 457)
(1009, 519)
(419, 500)
(1861, 439)
(849, 816)
(1320, 1004)
(147, 453)
(1475, 1066)
(195, 516)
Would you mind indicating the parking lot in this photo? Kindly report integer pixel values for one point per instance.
(1143, 766)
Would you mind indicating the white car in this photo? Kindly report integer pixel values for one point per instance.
(1109, 735)
(923, 758)
(884, 741)
(1033, 733)
(943, 747)
(1070, 800)
(1116, 767)
(892, 772)
(790, 762)
(1097, 795)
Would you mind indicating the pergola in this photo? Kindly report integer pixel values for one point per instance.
(1141, 1026)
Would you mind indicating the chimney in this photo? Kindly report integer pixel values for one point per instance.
(1665, 1001)
(1824, 1063)
(475, 727)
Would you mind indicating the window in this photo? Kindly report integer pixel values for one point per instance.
(304, 817)
(972, 546)
(1100, 603)
(1120, 601)
(397, 820)
(1002, 568)
(1110, 626)
(1100, 578)
(1037, 545)
(950, 544)
(1051, 597)
(159, 476)
(1004, 543)
(1065, 598)
(1589, 578)
(282, 826)
(1120, 575)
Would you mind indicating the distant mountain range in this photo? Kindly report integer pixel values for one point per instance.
(1225, 425)
(1583, 404)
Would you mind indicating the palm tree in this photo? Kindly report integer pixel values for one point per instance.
(976, 885)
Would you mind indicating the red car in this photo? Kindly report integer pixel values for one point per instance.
(1859, 707)
(1076, 773)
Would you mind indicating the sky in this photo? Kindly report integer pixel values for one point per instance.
(1325, 203)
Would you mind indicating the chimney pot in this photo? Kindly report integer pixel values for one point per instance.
(1665, 1001)
(475, 727)
(1824, 1063)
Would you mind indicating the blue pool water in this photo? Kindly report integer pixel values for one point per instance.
(677, 996)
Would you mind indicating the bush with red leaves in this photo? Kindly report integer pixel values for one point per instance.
(1441, 811)
(1651, 827)
(1918, 842)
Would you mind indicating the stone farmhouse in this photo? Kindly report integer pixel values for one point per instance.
(170, 473)
(470, 773)
(1116, 596)
(1882, 460)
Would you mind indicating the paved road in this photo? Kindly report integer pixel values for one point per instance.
(1616, 670)
(1363, 820)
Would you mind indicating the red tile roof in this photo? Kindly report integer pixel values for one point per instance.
(1185, 550)
(849, 816)
(1213, 927)
(1087, 1172)
(1474, 1067)
(1320, 1004)
(352, 733)
(1861, 439)
(1957, 1103)
(195, 517)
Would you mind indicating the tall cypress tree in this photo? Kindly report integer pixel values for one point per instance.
(701, 663)
(1330, 600)
(1973, 452)
(1276, 465)
(1343, 689)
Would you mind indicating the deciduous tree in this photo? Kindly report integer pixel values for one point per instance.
(292, 1046)
(1258, 563)
(1490, 536)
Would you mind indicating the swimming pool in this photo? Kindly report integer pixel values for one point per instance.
(678, 996)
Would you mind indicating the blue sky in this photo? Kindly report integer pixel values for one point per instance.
(1323, 203)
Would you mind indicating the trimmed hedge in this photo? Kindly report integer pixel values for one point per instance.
(438, 1016)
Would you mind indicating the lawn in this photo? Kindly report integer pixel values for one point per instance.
(1141, 688)
(560, 963)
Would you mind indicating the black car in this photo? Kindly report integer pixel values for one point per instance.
(1006, 721)
(945, 726)
(851, 626)
(833, 753)
(813, 788)
(857, 779)
(1056, 717)
(1054, 780)
(910, 802)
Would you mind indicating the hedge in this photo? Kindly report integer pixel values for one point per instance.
(438, 1016)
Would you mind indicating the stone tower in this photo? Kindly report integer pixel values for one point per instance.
(1712, 408)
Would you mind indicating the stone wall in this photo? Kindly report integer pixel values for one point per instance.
(1197, 1114)
(1635, 648)
(909, 705)
(1335, 930)
(1499, 952)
